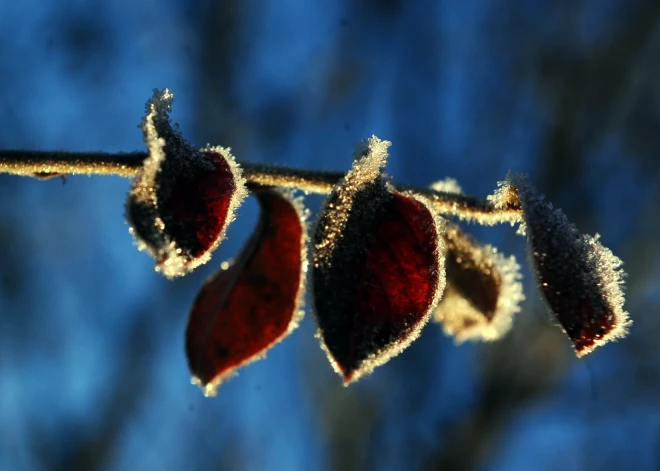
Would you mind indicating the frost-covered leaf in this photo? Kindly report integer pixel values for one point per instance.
(245, 309)
(581, 280)
(483, 289)
(182, 199)
(378, 267)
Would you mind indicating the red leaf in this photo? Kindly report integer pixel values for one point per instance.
(241, 312)
(378, 268)
(182, 200)
(581, 280)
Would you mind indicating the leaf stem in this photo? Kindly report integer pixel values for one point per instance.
(47, 164)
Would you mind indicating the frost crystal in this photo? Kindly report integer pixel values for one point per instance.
(448, 185)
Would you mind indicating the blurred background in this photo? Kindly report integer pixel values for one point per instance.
(92, 368)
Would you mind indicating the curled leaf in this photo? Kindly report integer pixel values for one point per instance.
(378, 267)
(483, 289)
(581, 280)
(244, 310)
(182, 199)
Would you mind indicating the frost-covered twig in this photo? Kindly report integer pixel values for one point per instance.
(44, 164)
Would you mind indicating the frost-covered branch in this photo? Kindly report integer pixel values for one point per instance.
(45, 164)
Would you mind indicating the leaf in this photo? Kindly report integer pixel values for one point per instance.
(483, 289)
(243, 311)
(378, 267)
(182, 200)
(580, 279)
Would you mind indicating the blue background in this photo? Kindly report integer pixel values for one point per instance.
(92, 369)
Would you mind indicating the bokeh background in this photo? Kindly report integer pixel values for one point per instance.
(92, 370)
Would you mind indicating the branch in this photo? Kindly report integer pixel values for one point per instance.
(46, 164)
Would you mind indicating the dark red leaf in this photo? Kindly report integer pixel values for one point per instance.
(581, 280)
(241, 312)
(378, 268)
(182, 200)
(483, 289)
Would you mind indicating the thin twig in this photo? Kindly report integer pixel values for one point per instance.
(42, 164)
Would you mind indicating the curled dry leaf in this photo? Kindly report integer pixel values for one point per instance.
(182, 199)
(244, 310)
(378, 267)
(483, 289)
(581, 280)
